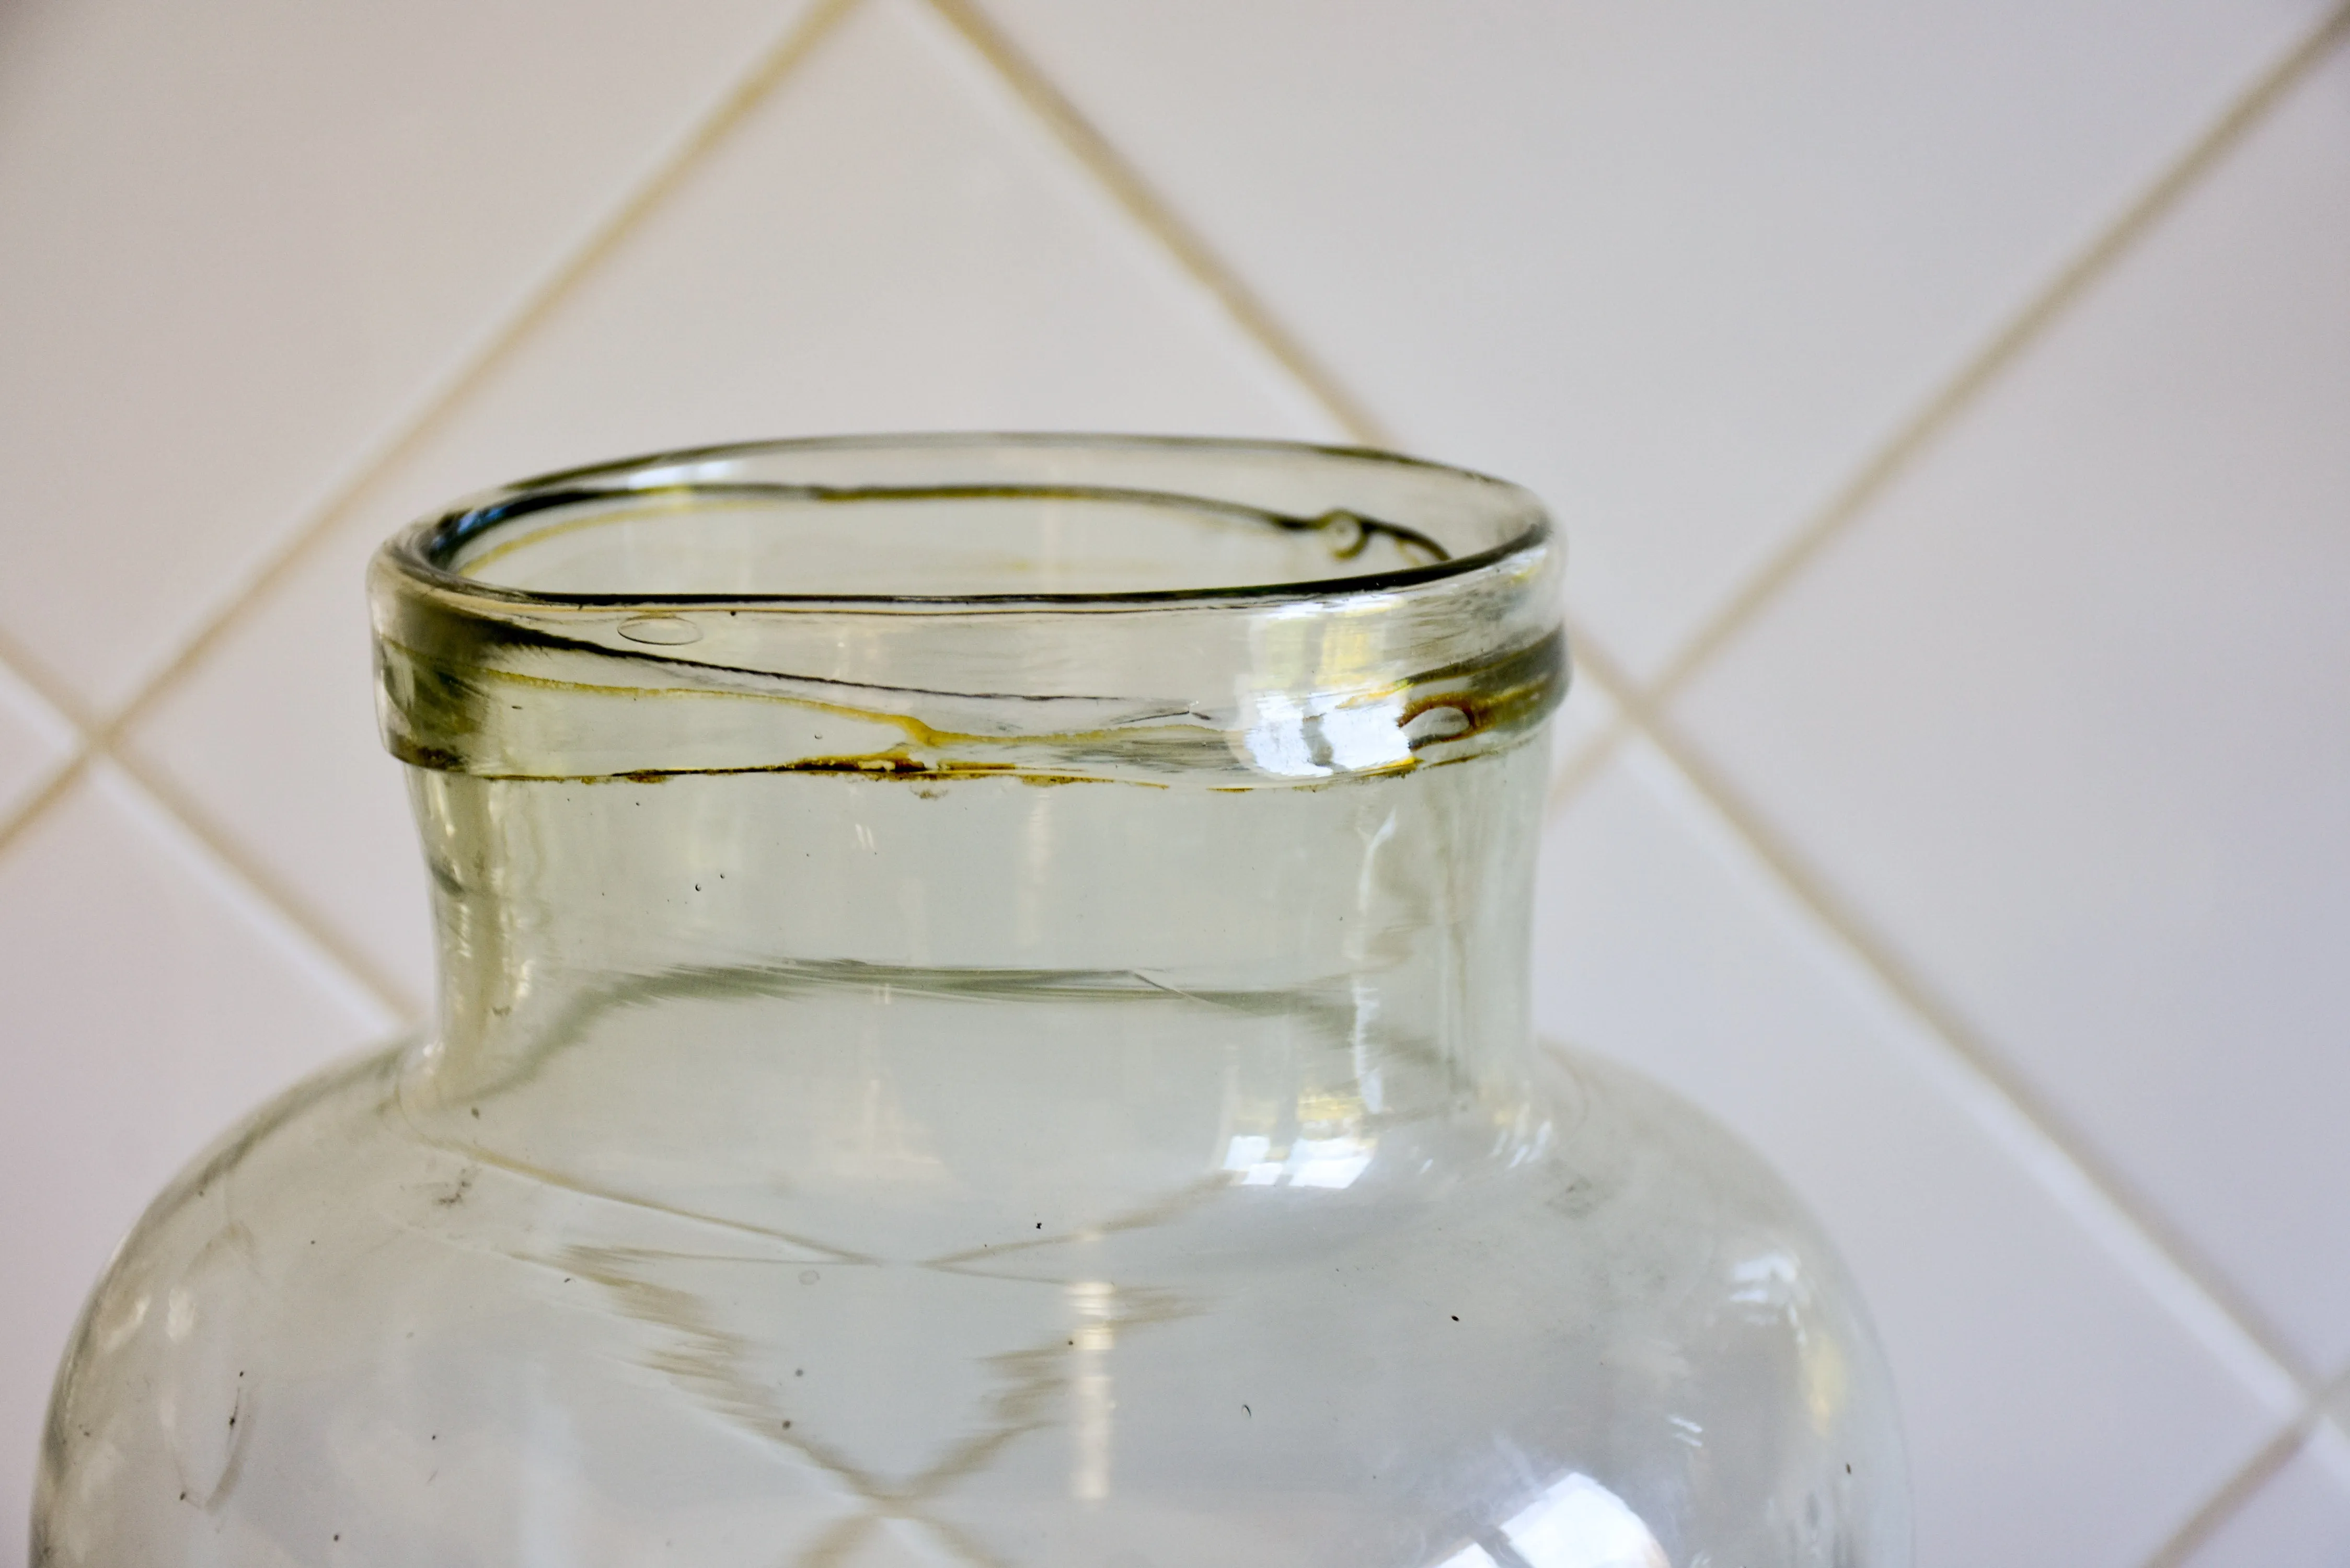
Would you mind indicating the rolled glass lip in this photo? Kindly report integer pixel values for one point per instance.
(1308, 676)
(422, 549)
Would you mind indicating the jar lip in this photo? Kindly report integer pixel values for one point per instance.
(423, 550)
(556, 628)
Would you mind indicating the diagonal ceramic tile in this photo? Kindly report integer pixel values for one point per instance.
(1678, 267)
(271, 740)
(241, 241)
(2064, 719)
(151, 1001)
(890, 242)
(2067, 1399)
(2301, 1514)
(35, 740)
(1581, 722)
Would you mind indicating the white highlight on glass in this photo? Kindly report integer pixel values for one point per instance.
(1094, 1304)
(1325, 1162)
(1357, 734)
(1367, 736)
(1767, 1280)
(1470, 1556)
(1578, 1523)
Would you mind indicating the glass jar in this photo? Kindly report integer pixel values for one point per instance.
(983, 1021)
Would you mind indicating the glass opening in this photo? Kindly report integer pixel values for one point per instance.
(940, 518)
(1053, 606)
(741, 541)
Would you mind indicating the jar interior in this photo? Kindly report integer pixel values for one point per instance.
(979, 517)
(958, 542)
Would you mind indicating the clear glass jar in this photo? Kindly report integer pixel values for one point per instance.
(983, 1021)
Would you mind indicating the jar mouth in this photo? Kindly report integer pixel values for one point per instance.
(1063, 520)
(1079, 605)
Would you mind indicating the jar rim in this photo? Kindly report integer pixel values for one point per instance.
(425, 551)
(566, 627)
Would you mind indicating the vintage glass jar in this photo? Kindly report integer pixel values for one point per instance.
(983, 1021)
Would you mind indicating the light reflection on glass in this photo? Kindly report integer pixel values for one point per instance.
(1576, 1523)
(1773, 1281)
(1470, 1556)
(1094, 1305)
(1774, 1287)
(1328, 1162)
(1327, 733)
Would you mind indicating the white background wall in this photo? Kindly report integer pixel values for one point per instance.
(1949, 407)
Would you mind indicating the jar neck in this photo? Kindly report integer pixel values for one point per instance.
(977, 820)
(633, 968)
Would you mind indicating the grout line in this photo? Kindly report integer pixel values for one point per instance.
(1811, 890)
(1144, 205)
(1591, 662)
(2238, 1490)
(2234, 1493)
(61, 771)
(225, 847)
(1587, 765)
(1986, 365)
(53, 789)
(100, 739)
(1594, 663)
(44, 684)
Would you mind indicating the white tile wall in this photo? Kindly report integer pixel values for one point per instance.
(2091, 776)
(1986, 866)
(242, 241)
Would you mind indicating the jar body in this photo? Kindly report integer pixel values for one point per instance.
(982, 1076)
(389, 1353)
(1049, 1275)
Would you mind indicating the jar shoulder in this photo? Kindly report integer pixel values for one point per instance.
(331, 1310)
